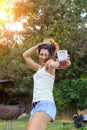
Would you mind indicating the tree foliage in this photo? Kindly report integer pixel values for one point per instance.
(61, 20)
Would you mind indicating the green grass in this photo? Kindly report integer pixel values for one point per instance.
(57, 125)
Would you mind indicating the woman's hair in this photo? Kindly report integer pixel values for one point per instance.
(52, 41)
(50, 45)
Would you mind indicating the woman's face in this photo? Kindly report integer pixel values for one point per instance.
(43, 56)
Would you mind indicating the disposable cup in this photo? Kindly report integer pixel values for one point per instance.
(62, 57)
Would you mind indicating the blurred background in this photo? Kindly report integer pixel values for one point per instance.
(24, 23)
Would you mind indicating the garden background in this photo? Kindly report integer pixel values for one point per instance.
(26, 23)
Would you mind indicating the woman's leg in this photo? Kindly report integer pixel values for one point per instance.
(39, 121)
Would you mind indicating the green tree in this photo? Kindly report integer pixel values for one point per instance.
(61, 20)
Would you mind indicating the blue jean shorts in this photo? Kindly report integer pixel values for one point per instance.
(45, 106)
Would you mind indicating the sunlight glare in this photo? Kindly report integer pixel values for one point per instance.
(17, 26)
(3, 14)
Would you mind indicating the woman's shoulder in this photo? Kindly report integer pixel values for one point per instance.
(49, 68)
(50, 61)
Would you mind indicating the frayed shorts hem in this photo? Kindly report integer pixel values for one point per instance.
(45, 106)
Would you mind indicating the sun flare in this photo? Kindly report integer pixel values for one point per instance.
(7, 16)
(3, 14)
(16, 26)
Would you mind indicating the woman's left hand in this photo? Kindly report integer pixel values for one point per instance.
(65, 64)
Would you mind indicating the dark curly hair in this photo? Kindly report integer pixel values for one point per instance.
(50, 47)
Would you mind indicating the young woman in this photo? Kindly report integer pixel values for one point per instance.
(44, 109)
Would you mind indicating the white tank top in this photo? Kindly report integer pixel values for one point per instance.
(43, 86)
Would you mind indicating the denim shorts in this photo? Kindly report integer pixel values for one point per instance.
(45, 106)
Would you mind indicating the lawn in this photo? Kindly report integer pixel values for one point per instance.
(57, 125)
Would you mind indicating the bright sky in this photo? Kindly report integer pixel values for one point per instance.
(3, 14)
(7, 17)
(16, 26)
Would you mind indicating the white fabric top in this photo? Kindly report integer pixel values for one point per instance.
(43, 86)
